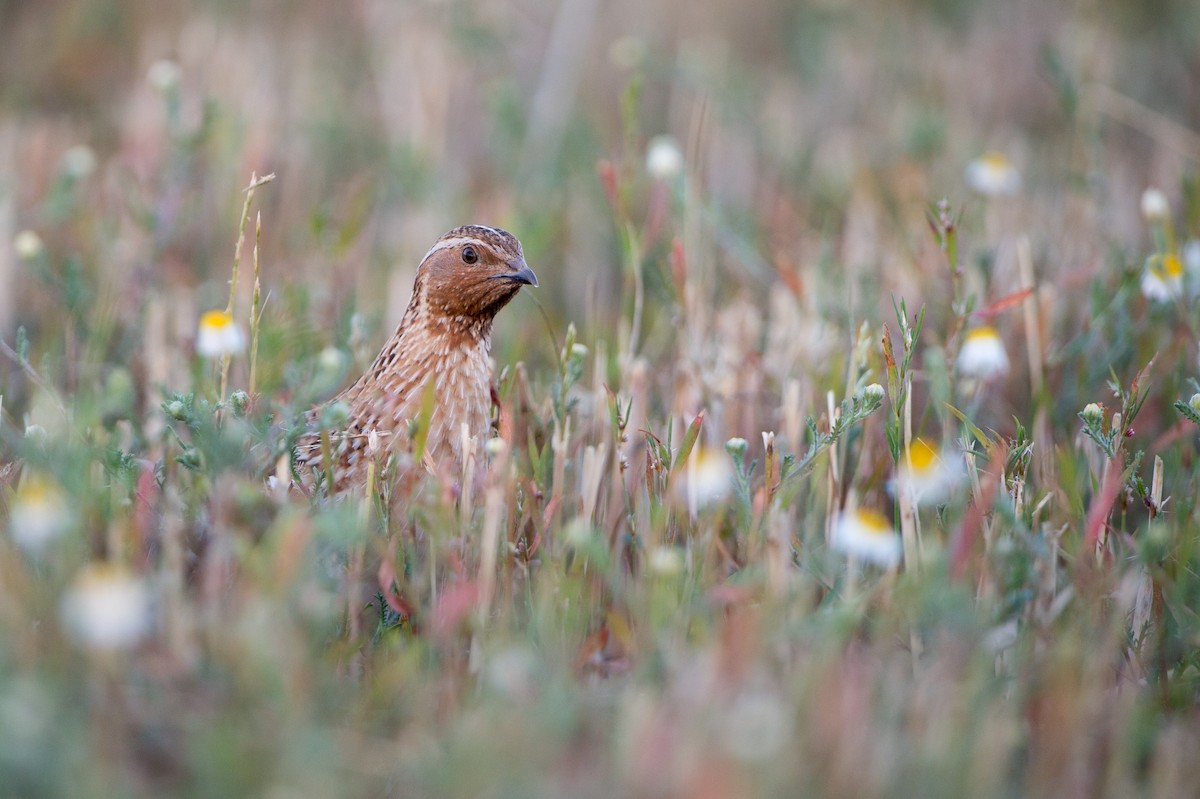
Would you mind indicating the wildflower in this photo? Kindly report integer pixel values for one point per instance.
(709, 477)
(40, 513)
(1190, 255)
(28, 245)
(1194, 403)
(993, 175)
(219, 335)
(1155, 207)
(982, 354)
(866, 534)
(664, 160)
(665, 561)
(1162, 279)
(106, 608)
(872, 394)
(926, 474)
(239, 401)
(1092, 413)
(79, 162)
(163, 75)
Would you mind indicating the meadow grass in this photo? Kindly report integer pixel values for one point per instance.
(816, 471)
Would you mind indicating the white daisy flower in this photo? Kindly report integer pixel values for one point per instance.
(867, 535)
(1189, 254)
(708, 477)
(219, 335)
(930, 477)
(106, 608)
(993, 175)
(28, 245)
(40, 514)
(1155, 207)
(665, 561)
(1162, 279)
(163, 75)
(982, 354)
(664, 159)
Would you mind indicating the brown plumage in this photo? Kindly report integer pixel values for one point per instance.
(441, 345)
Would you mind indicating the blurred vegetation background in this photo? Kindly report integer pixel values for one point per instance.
(641, 642)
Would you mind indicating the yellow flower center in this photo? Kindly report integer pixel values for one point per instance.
(216, 320)
(921, 455)
(1171, 266)
(37, 490)
(873, 522)
(982, 334)
(994, 160)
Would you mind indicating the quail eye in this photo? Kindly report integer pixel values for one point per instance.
(469, 255)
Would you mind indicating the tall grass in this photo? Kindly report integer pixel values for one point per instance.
(758, 515)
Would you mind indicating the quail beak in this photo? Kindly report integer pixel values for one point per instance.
(521, 273)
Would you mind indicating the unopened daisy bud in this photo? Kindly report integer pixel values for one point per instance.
(40, 513)
(872, 394)
(993, 175)
(1092, 413)
(495, 446)
(106, 609)
(664, 160)
(79, 162)
(1155, 207)
(579, 533)
(335, 415)
(867, 535)
(28, 245)
(982, 354)
(579, 351)
(736, 447)
(177, 410)
(190, 458)
(240, 402)
(1194, 403)
(665, 561)
(219, 335)
(163, 75)
(331, 359)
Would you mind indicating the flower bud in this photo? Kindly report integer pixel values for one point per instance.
(335, 415)
(28, 245)
(872, 393)
(1155, 207)
(240, 402)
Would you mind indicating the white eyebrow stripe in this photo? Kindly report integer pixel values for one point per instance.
(447, 244)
